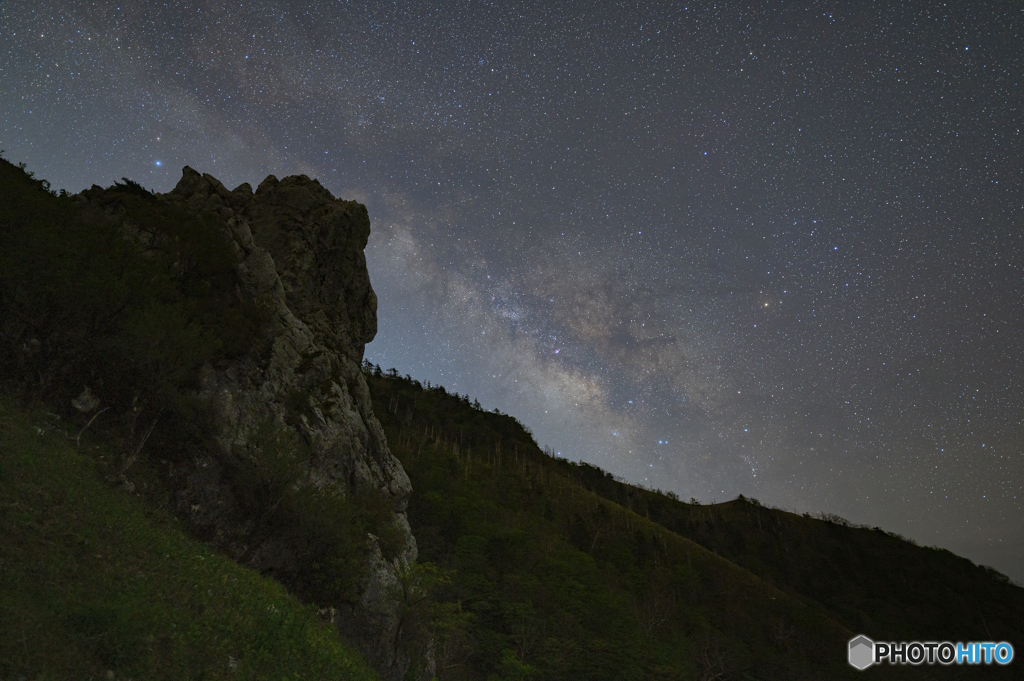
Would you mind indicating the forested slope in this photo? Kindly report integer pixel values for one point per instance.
(560, 571)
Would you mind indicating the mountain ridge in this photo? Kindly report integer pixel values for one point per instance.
(209, 343)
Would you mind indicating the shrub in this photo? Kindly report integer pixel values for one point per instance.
(124, 294)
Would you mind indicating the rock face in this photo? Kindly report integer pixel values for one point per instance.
(300, 251)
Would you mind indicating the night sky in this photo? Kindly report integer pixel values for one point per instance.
(771, 249)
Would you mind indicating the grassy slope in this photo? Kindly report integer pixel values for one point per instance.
(567, 585)
(91, 581)
(556, 576)
(621, 598)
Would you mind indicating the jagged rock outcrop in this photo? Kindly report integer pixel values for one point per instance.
(300, 252)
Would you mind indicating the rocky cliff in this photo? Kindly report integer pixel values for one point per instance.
(300, 252)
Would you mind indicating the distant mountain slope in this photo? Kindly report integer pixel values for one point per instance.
(564, 572)
(869, 580)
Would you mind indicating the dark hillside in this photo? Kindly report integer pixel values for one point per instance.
(555, 582)
(544, 554)
(134, 318)
(870, 580)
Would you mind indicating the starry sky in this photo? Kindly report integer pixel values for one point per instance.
(771, 249)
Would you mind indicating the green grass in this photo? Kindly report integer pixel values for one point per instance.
(94, 582)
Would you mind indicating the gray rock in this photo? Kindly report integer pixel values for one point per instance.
(86, 401)
(300, 251)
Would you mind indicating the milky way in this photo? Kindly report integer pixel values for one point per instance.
(712, 249)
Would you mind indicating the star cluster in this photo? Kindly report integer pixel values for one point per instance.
(758, 249)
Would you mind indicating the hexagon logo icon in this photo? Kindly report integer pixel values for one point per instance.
(862, 652)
